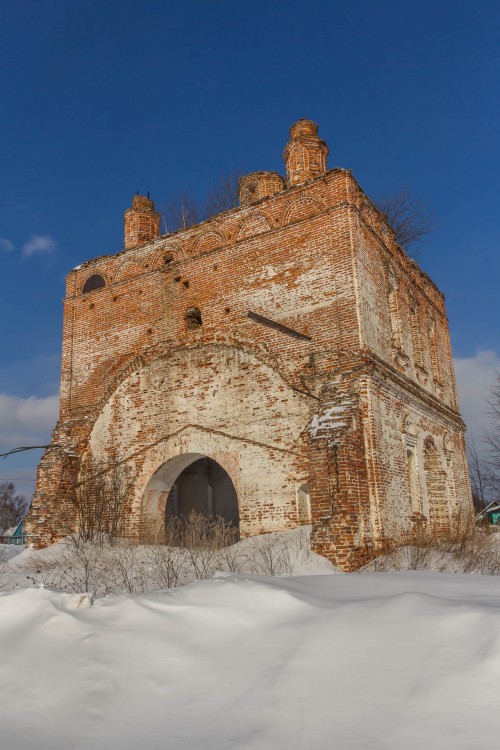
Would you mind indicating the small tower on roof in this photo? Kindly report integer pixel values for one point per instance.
(142, 222)
(305, 153)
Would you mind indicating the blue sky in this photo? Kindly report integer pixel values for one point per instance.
(100, 99)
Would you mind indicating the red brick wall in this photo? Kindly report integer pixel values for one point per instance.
(277, 411)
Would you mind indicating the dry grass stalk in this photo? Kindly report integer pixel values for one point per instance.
(466, 548)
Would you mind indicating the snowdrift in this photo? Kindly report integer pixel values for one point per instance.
(377, 661)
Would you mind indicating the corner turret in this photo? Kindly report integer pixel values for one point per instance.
(142, 222)
(305, 153)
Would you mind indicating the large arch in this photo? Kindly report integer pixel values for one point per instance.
(213, 401)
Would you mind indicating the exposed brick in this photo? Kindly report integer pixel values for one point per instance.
(361, 407)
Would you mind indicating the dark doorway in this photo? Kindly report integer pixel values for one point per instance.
(203, 487)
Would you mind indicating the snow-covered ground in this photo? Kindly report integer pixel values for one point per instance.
(130, 568)
(372, 660)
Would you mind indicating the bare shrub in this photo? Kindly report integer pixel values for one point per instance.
(44, 568)
(101, 499)
(198, 530)
(276, 555)
(202, 537)
(193, 548)
(208, 544)
(99, 564)
(79, 566)
(94, 558)
(167, 567)
(127, 567)
(415, 553)
(85, 568)
(269, 556)
(231, 559)
(466, 548)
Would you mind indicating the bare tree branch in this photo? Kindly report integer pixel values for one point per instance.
(223, 194)
(27, 448)
(182, 211)
(479, 476)
(485, 471)
(411, 218)
(13, 506)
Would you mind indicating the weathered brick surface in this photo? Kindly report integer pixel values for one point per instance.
(360, 408)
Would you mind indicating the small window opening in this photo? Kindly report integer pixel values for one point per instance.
(227, 309)
(186, 284)
(93, 282)
(168, 259)
(193, 317)
(177, 278)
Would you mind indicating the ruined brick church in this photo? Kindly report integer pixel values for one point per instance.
(282, 363)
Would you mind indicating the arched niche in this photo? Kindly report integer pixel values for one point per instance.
(128, 270)
(435, 478)
(209, 241)
(252, 226)
(302, 208)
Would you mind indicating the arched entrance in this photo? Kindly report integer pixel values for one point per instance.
(203, 487)
(191, 483)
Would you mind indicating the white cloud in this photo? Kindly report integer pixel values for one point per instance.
(6, 245)
(475, 376)
(39, 245)
(26, 421)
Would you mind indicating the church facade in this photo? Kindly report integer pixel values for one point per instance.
(282, 363)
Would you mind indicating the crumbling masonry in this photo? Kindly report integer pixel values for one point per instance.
(282, 363)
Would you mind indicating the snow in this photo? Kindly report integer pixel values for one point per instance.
(329, 420)
(8, 551)
(381, 661)
(131, 568)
